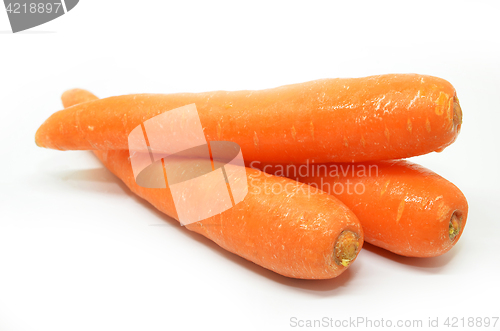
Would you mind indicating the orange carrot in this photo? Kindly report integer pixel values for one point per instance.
(403, 207)
(342, 120)
(292, 233)
(76, 96)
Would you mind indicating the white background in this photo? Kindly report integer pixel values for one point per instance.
(79, 252)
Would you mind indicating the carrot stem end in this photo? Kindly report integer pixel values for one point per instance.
(457, 114)
(454, 226)
(346, 248)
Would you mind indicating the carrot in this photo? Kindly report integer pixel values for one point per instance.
(76, 96)
(342, 120)
(403, 207)
(292, 233)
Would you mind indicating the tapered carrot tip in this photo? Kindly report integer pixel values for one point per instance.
(457, 113)
(346, 248)
(454, 227)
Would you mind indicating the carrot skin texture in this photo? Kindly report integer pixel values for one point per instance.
(341, 120)
(404, 207)
(293, 235)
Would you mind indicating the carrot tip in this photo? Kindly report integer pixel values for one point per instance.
(454, 226)
(37, 143)
(346, 248)
(457, 113)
